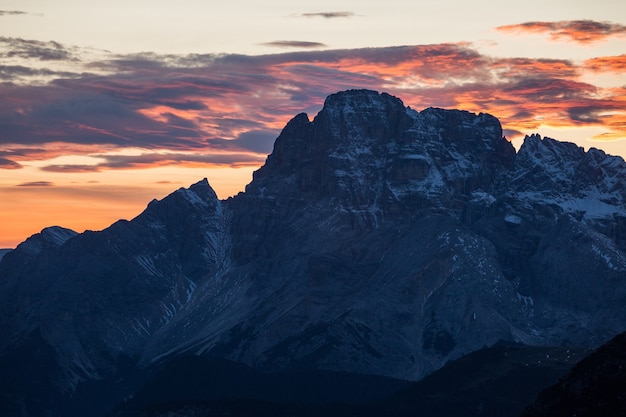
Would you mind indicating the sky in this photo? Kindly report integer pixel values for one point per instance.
(105, 106)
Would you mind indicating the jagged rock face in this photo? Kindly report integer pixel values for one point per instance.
(382, 240)
(375, 239)
(362, 204)
(368, 152)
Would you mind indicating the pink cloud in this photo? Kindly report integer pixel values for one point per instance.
(616, 64)
(580, 31)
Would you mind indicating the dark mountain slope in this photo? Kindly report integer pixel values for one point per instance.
(497, 381)
(93, 299)
(595, 387)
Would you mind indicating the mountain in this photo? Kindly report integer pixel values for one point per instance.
(374, 240)
(4, 252)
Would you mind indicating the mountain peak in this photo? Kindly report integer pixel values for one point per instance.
(202, 190)
(367, 149)
(360, 100)
(52, 236)
(362, 115)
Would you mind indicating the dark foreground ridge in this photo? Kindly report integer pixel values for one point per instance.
(594, 387)
(492, 382)
(376, 240)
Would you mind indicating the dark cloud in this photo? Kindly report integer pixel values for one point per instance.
(23, 152)
(585, 114)
(328, 15)
(549, 90)
(9, 164)
(73, 168)
(17, 72)
(41, 114)
(36, 184)
(261, 142)
(511, 133)
(151, 160)
(295, 44)
(32, 49)
(580, 31)
(12, 13)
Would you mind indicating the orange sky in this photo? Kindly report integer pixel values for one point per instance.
(89, 136)
(26, 209)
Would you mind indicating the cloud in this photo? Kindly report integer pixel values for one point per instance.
(580, 31)
(328, 15)
(36, 184)
(615, 64)
(16, 73)
(9, 164)
(257, 141)
(584, 114)
(295, 44)
(32, 49)
(153, 160)
(228, 108)
(12, 13)
(520, 68)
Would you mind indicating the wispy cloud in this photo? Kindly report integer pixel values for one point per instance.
(12, 13)
(36, 184)
(615, 64)
(9, 164)
(328, 15)
(580, 31)
(16, 73)
(23, 48)
(294, 44)
(153, 160)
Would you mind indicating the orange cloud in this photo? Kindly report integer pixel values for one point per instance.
(580, 31)
(615, 64)
(514, 68)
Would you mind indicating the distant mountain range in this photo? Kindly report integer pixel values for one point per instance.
(376, 240)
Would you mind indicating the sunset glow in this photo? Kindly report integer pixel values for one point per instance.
(89, 135)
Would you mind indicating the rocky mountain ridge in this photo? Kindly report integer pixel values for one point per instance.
(375, 239)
